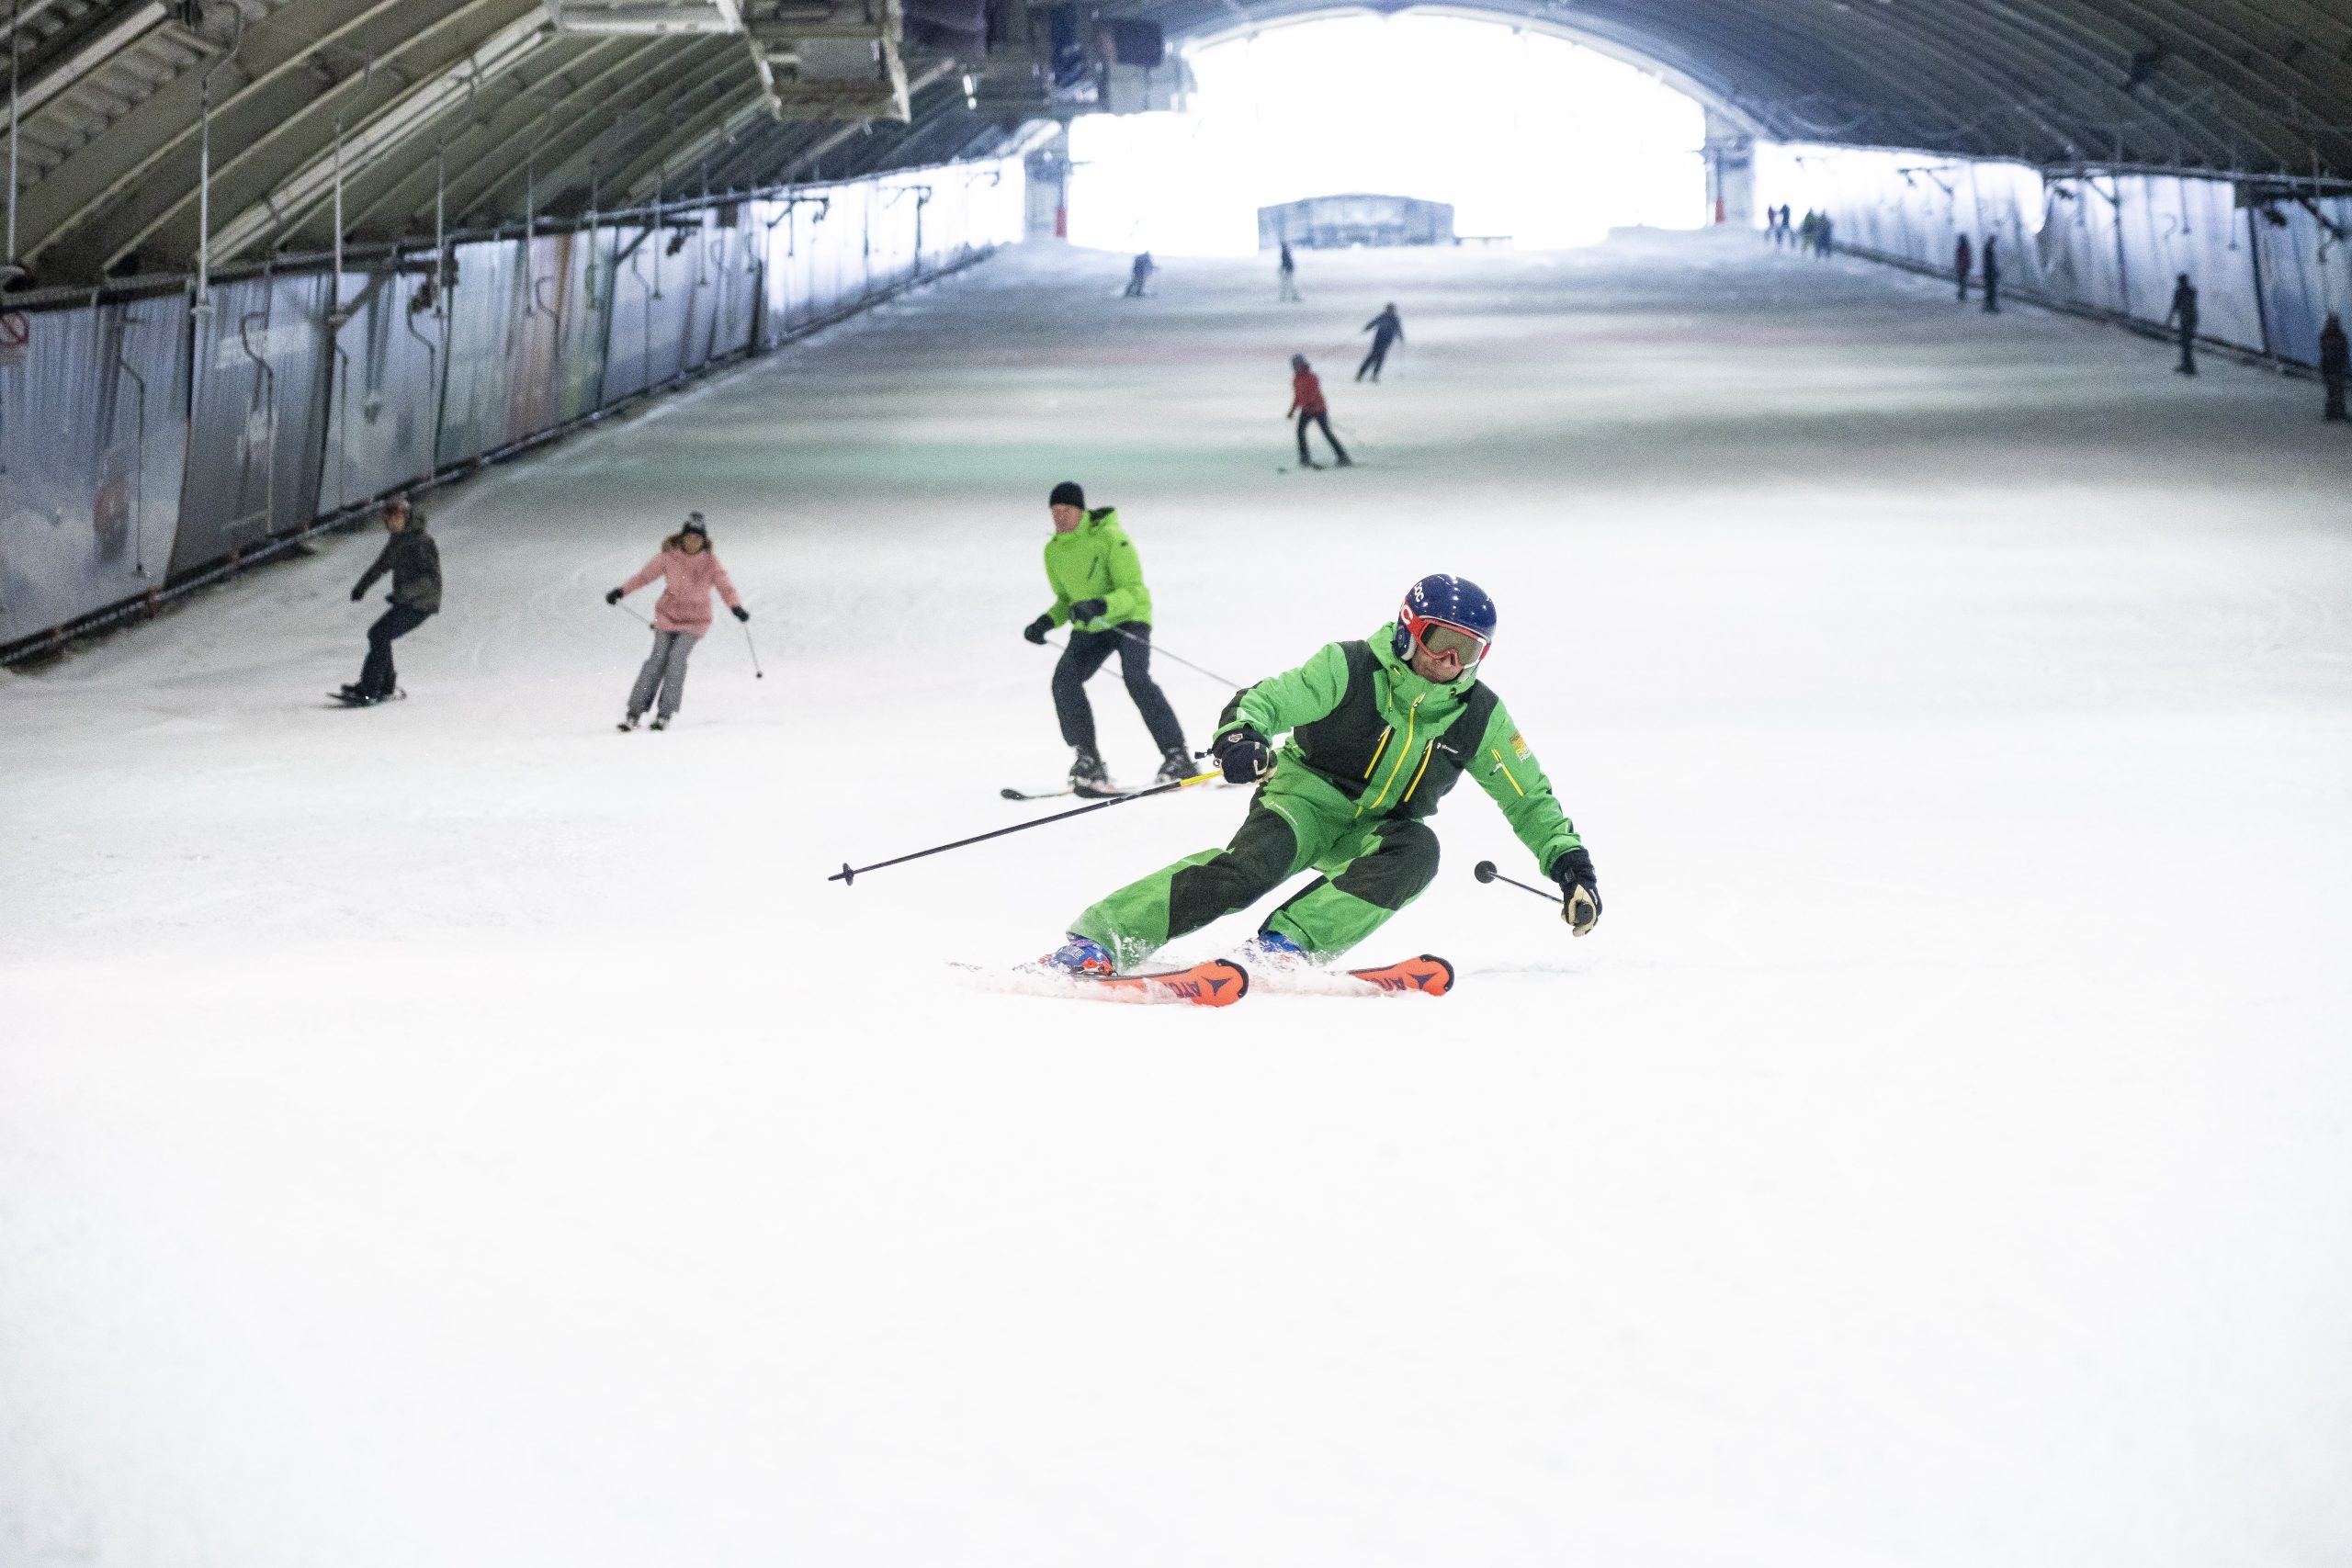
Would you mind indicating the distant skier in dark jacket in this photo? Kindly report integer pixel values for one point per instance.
(1991, 267)
(1387, 327)
(2184, 313)
(1961, 260)
(1139, 274)
(2334, 363)
(1288, 289)
(414, 562)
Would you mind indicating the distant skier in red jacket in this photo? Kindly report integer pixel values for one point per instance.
(1307, 403)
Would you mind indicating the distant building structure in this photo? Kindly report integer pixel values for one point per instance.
(1335, 222)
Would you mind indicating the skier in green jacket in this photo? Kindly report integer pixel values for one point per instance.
(1379, 730)
(1098, 594)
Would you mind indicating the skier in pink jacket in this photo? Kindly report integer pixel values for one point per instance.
(689, 569)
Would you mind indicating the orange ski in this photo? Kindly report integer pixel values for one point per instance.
(1216, 983)
(1428, 974)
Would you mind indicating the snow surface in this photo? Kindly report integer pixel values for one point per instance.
(458, 1134)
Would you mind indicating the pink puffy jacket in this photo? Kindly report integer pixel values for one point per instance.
(687, 580)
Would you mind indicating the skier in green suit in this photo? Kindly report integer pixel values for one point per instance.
(1098, 594)
(1379, 730)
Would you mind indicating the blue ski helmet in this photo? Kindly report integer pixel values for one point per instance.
(1446, 600)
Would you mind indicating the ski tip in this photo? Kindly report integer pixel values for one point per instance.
(1441, 980)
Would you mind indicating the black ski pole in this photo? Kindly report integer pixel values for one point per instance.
(848, 873)
(1178, 657)
(757, 673)
(1485, 872)
(641, 619)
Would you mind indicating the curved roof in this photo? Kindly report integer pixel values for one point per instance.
(483, 109)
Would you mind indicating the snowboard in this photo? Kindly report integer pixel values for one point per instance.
(337, 699)
(1426, 976)
(1219, 982)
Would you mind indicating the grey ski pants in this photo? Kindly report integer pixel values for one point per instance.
(665, 671)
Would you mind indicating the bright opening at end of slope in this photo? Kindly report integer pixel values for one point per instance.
(1528, 136)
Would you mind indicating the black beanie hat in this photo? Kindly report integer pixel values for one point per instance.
(694, 525)
(1066, 493)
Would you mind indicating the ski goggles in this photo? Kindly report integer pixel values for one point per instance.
(1444, 636)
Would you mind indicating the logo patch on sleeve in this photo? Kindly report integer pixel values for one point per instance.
(1519, 748)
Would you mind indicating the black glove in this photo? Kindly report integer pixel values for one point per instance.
(1579, 890)
(1243, 754)
(1035, 630)
(1088, 610)
(741, 612)
(614, 597)
(355, 594)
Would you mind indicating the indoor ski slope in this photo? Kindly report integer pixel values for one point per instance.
(460, 1133)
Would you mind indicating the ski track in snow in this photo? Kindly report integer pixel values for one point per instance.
(458, 1132)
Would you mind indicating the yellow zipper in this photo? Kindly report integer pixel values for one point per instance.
(1426, 752)
(1386, 732)
(1505, 767)
(1402, 753)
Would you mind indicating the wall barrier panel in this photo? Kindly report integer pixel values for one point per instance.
(93, 441)
(385, 383)
(2268, 264)
(257, 426)
(142, 445)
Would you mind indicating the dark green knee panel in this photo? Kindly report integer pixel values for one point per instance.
(1335, 913)
(1262, 854)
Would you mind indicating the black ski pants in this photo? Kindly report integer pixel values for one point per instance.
(1325, 421)
(377, 676)
(1992, 293)
(1087, 652)
(2335, 397)
(1375, 359)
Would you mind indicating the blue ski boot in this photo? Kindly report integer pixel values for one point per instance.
(1080, 957)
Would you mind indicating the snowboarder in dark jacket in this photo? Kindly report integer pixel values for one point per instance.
(414, 562)
(2334, 363)
(1387, 327)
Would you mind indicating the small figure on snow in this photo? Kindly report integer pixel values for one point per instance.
(1287, 289)
(1097, 580)
(414, 561)
(1991, 267)
(689, 570)
(1379, 730)
(1139, 274)
(1307, 403)
(1386, 329)
(2184, 314)
(1962, 259)
(2335, 364)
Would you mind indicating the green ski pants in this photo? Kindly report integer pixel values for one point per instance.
(1371, 870)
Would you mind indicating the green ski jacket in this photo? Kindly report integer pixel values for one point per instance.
(1361, 722)
(1097, 560)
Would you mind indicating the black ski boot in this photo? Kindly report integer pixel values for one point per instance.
(1175, 767)
(1088, 777)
